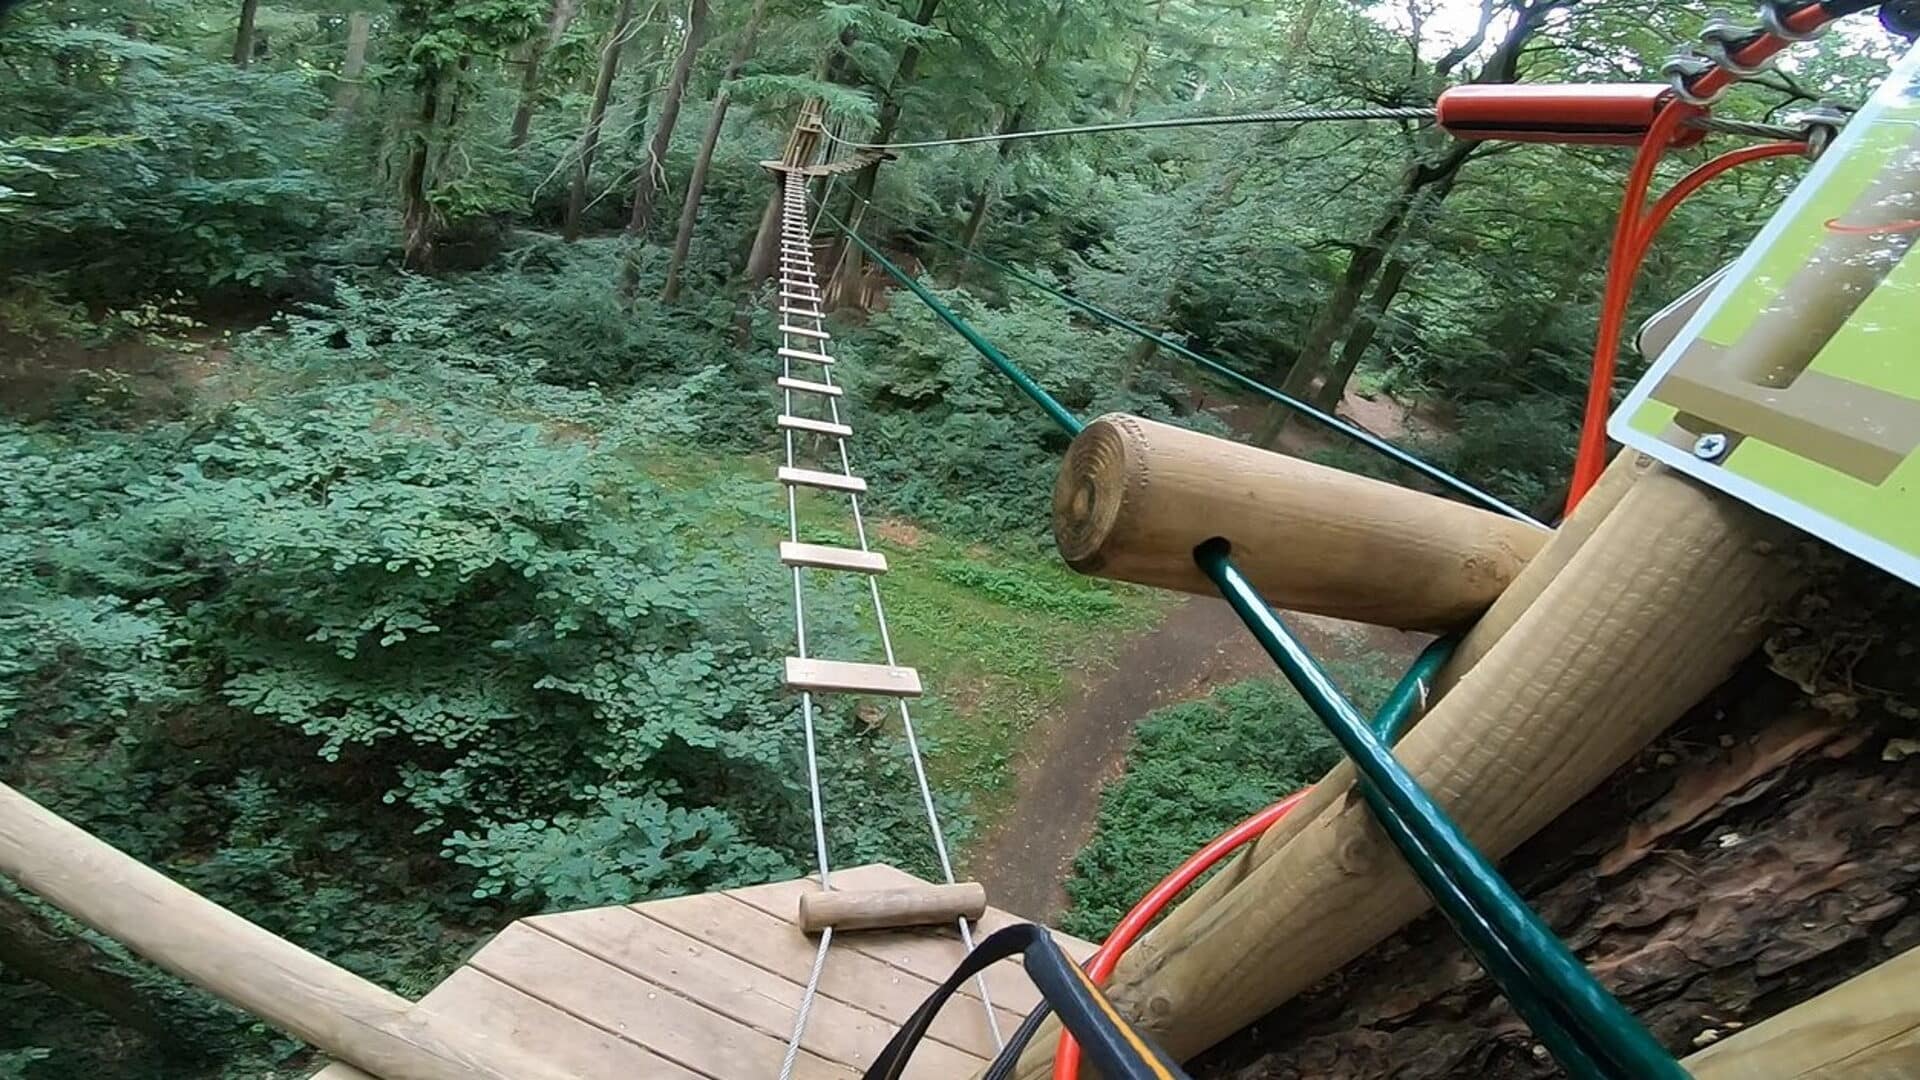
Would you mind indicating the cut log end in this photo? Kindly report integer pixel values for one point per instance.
(1100, 467)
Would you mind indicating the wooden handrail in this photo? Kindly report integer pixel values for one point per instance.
(304, 995)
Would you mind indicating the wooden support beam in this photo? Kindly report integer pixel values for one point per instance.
(818, 427)
(299, 993)
(844, 677)
(814, 478)
(825, 557)
(882, 909)
(1867, 1027)
(1135, 497)
(1653, 611)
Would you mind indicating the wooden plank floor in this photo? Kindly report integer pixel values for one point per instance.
(706, 986)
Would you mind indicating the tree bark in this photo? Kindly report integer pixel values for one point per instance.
(596, 113)
(646, 187)
(243, 36)
(703, 163)
(1757, 855)
(1334, 386)
(76, 969)
(558, 19)
(766, 242)
(416, 213)
(354, 66)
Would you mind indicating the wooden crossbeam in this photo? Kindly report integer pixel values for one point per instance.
(814, 478)
(825, 557)
(802, 331)
(818, 427)
(806, 386)
(802, 354)
(842, 677)
(805, 313)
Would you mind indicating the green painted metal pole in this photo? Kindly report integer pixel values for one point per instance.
(1059, 413)
(1437, 851)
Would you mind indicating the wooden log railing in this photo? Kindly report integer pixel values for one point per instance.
(1665, 595)
(299, 993)
(1867, 1028)
(1135, 497)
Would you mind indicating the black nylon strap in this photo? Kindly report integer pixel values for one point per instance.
(1110, 1044)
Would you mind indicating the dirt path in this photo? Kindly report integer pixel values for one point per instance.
(1024, 859)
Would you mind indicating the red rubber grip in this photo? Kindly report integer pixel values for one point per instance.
(1603, 114)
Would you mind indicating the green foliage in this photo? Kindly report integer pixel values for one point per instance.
(1197, 769)
(1022, 590)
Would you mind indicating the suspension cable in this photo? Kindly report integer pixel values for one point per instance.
(1421, 114)
(1415, 114)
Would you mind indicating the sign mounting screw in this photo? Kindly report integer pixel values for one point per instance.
(1710, 447)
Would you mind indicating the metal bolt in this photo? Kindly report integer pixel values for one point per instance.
(1710, 446)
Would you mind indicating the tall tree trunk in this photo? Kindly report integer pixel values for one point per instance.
(653, 171)
(847, 263)
(1297, 44)
(1334, 386)
(1335, 318)
(983, 196)
(347, 90)
(596, 113)
(243, 36)
(697, 180)
(766, 242)
(559, 17)
(1131, 95)
(74, 968)
(416, 213)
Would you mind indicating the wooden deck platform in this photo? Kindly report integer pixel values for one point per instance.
(706, 986)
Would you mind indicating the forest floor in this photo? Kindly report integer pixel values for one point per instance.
(1025, 857)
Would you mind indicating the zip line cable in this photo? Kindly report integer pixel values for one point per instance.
(1334, 423)
(1423, 114)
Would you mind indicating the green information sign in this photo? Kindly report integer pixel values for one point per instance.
(1796, 387)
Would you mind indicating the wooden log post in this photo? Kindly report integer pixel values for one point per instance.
(1866, 1028)
(882, 909)
(1135, 497)
(303, 995)
(1670, 592)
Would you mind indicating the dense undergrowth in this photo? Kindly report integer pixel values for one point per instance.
(1197, 769)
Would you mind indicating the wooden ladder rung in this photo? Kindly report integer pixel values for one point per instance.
(825, 557)
(802, 354)
(842, 677)
(831, 481)
(807, 387)
(802, 331)
(805, 313)
(818, 427)
(800, 296)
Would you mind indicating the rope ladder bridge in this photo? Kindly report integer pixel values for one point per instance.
(1521, 704)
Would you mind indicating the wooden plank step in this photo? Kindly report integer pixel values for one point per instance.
(802, 354)
(806, 387)
(824, 557)
(802, 331)
(830, 481)
(805, 313)
(818, 427)
(844, 677)
(813, 296)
